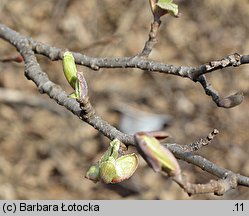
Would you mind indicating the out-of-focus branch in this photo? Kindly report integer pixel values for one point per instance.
(11, 96)
(16, 58)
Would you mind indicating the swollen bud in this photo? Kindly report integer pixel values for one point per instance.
(112, 150)
(232, 100)
(69, 68)
(93, 173)
(156, 155)
(108, 170)
(161, 7)
(111, 168)
(125, 167)
(76, 79)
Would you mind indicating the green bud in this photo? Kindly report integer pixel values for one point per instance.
(156, 155)
(69, 68)
(108, 170)
(125, 167)
(93, 173)
(76, 79)
(168, 6)
(115, 145)
(112, 150)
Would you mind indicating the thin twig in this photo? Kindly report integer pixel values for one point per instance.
(150, 43)
(196, 145)
(231, 60)
(228, 102)
(204, 164)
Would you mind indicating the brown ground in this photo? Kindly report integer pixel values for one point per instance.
(45, 151)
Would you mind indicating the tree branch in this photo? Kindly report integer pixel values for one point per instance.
(54, 53)
(28, 47)
(217, 187)
(204, 164)
(193, 73)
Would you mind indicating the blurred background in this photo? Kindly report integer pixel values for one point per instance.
(45, 150)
